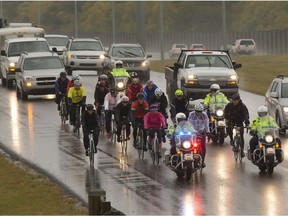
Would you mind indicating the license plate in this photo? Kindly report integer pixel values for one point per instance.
(221, 124)
(188, 157)
(270, 151)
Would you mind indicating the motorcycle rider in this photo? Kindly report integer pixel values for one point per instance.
(134, 88)
(76, 95)
(71, 82)
(152, 120)
(101, 90)
(199, 119)
(236, 113)
(178, 105)
(138, 110)
(261, 121)
(119, 71)
(122, 116)
(61, 88)
(149, 90)
(110, 102)
(90, 121)
(161, 99)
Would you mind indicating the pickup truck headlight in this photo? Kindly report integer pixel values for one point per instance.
(233, 77)
(285, 109)
(71, 56)
(232, 80)
(145, 63)
(102, 57)
(29, 78)
(12, 64)
(192, 79)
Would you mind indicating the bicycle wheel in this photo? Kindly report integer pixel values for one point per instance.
(239, 149)
(152, 152)
(102, 123)
(62, 112)
(235, 144)
(157, 153)
(91, 153)
(140, 144)
(124, 140)
(112, 130)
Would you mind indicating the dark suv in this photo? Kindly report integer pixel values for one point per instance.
(133, 57)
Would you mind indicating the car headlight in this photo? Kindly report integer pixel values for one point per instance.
(28, 84)
(120, 84)
(29, 78)
(186, 144)
(102, 57)
(71, 56)
(191, 77)
(233, 77)
(285, 109)
(219, 113)
(12, 64)
(268, 138)
(145, 63)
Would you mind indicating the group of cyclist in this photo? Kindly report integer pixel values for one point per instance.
(145, 108)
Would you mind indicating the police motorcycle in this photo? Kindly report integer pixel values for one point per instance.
(121, 84)
(268, 153)
(217, 122)
(187, 158)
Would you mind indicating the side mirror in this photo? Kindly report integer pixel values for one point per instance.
(54, 49)
(178, 65)
(106, 49)
(18, 70)
(236, 65)
(149, 56)
(3, 53)
(274, 95)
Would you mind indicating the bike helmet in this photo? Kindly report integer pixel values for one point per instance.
(113, 90)
(149, 82)
(140, 95)
(124, 99)
(199, 107)
(119, 63)
(90, 107)
(154, 107)
(180, 117)
(179, 93)
(76, 77)
(235, 96)
(63, 74)
(103, 77)
(158, 92)
(262, 111)
(215, 87)
(77, 83)
(106, 67)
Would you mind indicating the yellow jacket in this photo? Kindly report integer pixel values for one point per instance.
(217, 97)
(120, 72)
(76, 95)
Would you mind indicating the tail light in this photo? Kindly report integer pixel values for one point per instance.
(238, 47)
(254, 46)
(204, 48)
(195, 145)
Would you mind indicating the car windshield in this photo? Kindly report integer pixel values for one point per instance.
(246, 42)
(37, 63)
(208, 61)
(127, 52)
(57, 41)
(15, 49)
(180, 46)
(197, 46)
(284, 92)
(86, 45)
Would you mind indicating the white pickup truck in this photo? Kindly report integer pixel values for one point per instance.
(195, 71)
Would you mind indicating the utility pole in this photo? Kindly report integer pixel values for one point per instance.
(161, 32)
(38, 13)
(113, 23)
(140, 23)
(76, 19)
(224, 24)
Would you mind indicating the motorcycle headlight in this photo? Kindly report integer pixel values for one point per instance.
(120, 84)
(219, 113)
(12, 64)
(186, 144)
(268, 138)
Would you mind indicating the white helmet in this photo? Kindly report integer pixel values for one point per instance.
(158, 92)
(262, 111)
(199, 107)
(180, 117)
(77, 83)
(76, 77)
(215, 87)
(124, 99)
(119, 62)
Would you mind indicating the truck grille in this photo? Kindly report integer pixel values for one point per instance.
(46, 81)
(87, 57)
(87, 65)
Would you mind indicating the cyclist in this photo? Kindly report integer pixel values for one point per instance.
(154, 120)
(90, 121)
(138, 110)
(110, 102)
(122, 116)
(71, 82)
(200, 122)
(134, 88)
(61, 88)
(76, 96)
(162, 101)
(101, 90)
(236, 113)
(110, 78)
(179, 104)
(149, 90)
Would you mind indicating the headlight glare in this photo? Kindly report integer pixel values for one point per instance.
(219, 113)
(12, 64)
(102, 57)
(233, 77)
(120, 84)
(191, 76)
(285, 109)
(186, 144)
(268, 138)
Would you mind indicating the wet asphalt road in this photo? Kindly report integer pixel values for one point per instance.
(33, 130)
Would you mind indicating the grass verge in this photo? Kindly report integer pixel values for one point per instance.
(28, 193)
(256, 73)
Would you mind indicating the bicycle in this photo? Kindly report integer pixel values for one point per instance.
(91, 150)
(102, 120)
(123, 137)
(237, 139)
(63, 109)
(77, 120)
(113, 128)
(140, 140)
(155, 150)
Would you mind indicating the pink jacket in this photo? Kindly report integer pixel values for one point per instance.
(154, 120)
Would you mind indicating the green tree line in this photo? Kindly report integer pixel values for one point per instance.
(183, 16)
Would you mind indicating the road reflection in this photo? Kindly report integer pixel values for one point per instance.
(192, 204)
(30, 121)
(15, 124)
(271, 200)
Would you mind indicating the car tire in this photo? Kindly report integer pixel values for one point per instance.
(18, 93)
(282, 131)
(24, 96)
(9, 84)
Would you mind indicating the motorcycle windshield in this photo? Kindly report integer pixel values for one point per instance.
(267, 125)
(185, 131)
(217, 106)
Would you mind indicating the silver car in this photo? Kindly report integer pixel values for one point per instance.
(276, 99)
(244, 46)
(57, 41)
(176, 50)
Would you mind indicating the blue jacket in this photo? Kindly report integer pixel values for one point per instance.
(61, 86)
(149, 93)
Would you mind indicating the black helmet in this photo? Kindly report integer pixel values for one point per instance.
(63, 74)
(106, 67)
(90, 107)
(113, 90)
(235, 96)
(140, 95)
